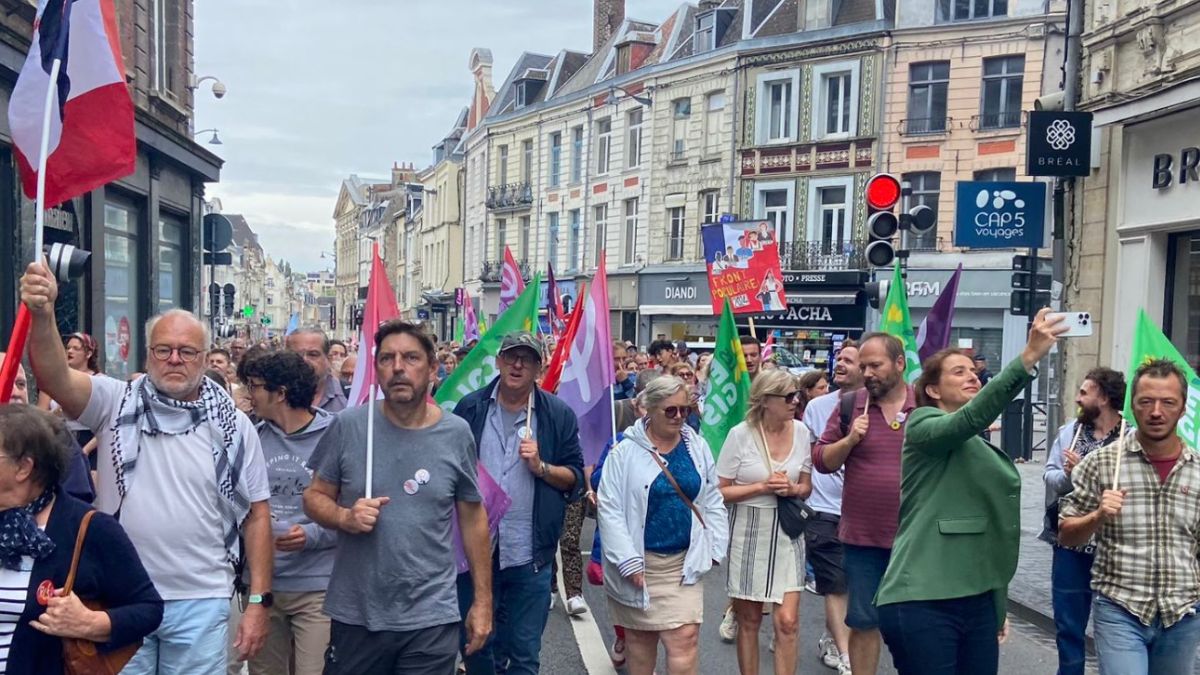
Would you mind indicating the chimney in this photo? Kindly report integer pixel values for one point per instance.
(606, 20)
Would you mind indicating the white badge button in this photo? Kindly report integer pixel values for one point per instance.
(411, 486)
(422, 476)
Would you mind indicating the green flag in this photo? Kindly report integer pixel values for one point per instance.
(895, 320)
(1149, 342)
(479, 366)
(729, 385)
(459, 329)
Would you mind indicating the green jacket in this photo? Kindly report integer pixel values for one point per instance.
(960, 503)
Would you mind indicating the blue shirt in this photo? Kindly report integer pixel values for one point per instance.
(668, 518)
(499, 451)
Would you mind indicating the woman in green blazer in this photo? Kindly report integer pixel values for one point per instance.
(942, 600)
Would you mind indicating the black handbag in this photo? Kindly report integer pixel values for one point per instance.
(794, 513)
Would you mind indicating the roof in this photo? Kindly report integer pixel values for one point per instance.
(242, 234)
(506, 95)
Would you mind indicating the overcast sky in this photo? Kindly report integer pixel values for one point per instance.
(318, 91)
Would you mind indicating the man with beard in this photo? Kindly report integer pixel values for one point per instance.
(314, 345)
(528, 440)
(1143, 520)
(185, 469)
(1097, 425)
(391, 594)
(346, 374)
(869, 448)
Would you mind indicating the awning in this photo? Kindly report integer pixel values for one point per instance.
(822, 298)
(676, 310)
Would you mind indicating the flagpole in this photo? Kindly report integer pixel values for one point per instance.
(370, 439)
(1120, 452)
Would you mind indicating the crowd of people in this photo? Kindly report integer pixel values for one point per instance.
(240, 518)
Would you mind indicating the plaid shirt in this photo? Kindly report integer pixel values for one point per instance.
(1146, 559)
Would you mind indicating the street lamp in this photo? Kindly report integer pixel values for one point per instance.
(613, 99)
(218, 87)
(215, 140)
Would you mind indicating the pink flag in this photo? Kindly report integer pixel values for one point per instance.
(471, 329)
(588, 376)
(381, 307)
(495, 503)
(511, 283)
(769, 346)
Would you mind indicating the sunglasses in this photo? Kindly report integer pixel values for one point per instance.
(676, 411)
(789, 397)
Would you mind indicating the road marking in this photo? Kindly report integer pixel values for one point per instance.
(592, 649)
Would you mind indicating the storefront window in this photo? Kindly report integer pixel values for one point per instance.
(171, 268)
(1183, 305)
(122, 323)
(986, 341)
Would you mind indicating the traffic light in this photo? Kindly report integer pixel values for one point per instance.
(1030, 276)
(882, 193)
(230, 291)
(876, 292)
(214, 299)
(332, 318)
(358, 317)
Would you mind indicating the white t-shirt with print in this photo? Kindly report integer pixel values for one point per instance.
(172, 507)
(743, 462)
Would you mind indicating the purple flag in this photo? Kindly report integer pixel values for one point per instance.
(495, 502)
(933, 335)
(587, 377)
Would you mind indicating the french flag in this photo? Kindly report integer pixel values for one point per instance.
(91, 140)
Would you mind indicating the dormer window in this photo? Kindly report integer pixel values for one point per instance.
(624, 57)
(706, 32)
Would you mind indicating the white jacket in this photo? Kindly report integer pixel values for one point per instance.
(628, 472)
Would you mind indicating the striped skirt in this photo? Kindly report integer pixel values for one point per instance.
(763, 562)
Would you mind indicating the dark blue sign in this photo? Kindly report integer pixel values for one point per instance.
(1000, 215)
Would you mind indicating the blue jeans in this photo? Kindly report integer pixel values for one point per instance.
(942, 637)
(191, 640)
(864, 566)
(521, 598)
(1071, 596)
(1126, 647)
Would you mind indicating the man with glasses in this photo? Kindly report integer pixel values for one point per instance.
(185, 469)
(313, 345)
(528, 441)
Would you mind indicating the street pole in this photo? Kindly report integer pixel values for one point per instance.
(1027, 409)
(905, 223)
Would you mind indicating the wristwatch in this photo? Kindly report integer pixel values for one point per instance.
(265, 599)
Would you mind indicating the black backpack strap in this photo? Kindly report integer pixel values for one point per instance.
(846, 411)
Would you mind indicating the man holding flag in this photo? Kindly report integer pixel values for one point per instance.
(528, 440)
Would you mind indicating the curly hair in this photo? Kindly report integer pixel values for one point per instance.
(1111, 384)
(282, 370)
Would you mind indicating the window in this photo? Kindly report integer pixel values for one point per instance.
(527, 161)
(710, 212)
(773, 202)
(714, 105)
(633, 148)
(834, 230)
(676, 219)
(1005, 175)
(926, 189)
(965, 10)
(122, 288)
(835, 99)
(1182, 311)
(779, 94)
(575, 217)
(577, 154)
(927, 89)
(706, 31)
(629, 241)
(601, 236)
(501, 237)
(502, 168)
(1003, 77)
(555, 158)
(552, 244)
(603, 145)
(524, 238)
(681, 110)
(169, 72)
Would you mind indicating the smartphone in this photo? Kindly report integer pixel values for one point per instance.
(1079, 324)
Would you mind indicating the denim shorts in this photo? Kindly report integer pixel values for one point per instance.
(864, 567)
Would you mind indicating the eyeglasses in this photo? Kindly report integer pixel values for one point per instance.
(687, 375)
(186, 354)
(676, 411)
(254, 386)
(789, 397)
(512, 356)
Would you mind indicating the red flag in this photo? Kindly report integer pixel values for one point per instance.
(769, 347)
(554, 308)
(91, 140)
(511, 282)
(381, 307)
(563, 349)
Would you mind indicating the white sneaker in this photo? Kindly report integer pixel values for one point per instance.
(576, 605)
(843, 666)
(728, 629)
(829, 651)
(617, 653)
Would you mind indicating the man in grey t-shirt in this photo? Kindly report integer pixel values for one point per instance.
(392, 596)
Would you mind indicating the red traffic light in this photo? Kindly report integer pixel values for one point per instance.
(883, 191)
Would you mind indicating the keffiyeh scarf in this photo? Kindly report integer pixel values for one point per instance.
(143, 410)
(20, 535)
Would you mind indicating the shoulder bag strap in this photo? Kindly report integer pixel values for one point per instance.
(83, 527)
(760, 439)
(671, 479)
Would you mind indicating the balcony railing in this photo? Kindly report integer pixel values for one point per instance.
(1007, 119)
(920, 126)
(493, 270)
(510, 197)
(823, 255)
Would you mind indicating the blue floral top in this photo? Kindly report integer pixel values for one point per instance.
(668, 518)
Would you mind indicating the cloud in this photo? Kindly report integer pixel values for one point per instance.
(319, 91)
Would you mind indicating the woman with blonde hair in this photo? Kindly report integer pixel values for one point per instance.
(766, 458)
(664, 526)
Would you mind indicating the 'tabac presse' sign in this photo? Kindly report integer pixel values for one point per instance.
(1000, 215)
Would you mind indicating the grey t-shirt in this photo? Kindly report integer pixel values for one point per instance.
(400, 576)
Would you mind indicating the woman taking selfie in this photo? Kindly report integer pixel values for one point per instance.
(942, 600)
(663, 526)
(765, 458)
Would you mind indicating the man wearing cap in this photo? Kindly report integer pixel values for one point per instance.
(528, 441)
